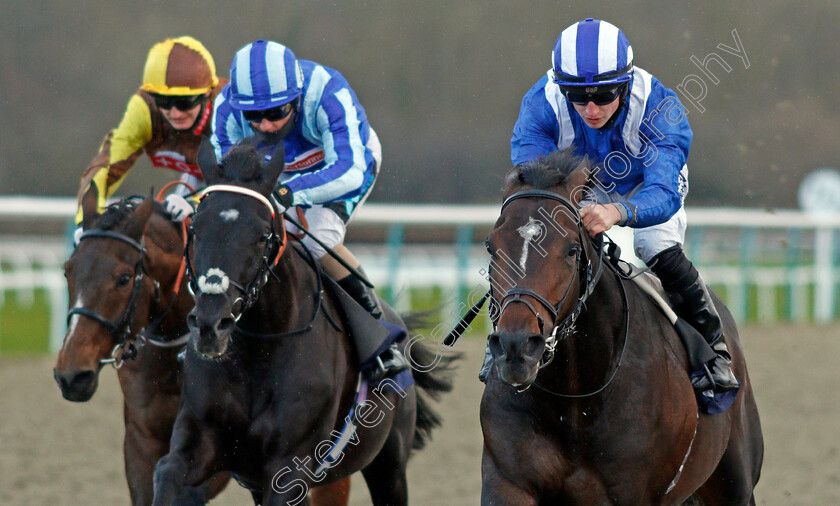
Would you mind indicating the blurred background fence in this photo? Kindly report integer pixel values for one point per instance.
(767, 266)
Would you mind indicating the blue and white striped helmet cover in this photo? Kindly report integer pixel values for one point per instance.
(592, 52)
(263, 75)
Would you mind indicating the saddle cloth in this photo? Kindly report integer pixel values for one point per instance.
(370, 336)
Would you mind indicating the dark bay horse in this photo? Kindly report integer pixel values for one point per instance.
(271, 373)
(126, 288)
(612, 419)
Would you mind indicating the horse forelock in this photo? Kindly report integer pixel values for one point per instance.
(544, 173)
(116, 214)
(242, 164)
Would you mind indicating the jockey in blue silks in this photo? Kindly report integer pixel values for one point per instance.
(332, 154)
(635, 132)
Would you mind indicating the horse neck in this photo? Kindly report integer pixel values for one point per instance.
(164, 267)
(287, 300)
(585, 361)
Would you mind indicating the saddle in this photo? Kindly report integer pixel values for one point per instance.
(698, 350)
(370, 336)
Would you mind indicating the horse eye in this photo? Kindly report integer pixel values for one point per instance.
(573, 251)
(123, 280)
(488, 247)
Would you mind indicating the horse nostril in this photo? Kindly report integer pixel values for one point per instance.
(82, 380)
(192, 321)
(534, 345)
(495, 345)
(226, 325)
(59, 378)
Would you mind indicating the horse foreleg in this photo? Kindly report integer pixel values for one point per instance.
(498, 489)
(336, 493)
(214, 486)
(141, 454)
(385, 475)
(191, 460)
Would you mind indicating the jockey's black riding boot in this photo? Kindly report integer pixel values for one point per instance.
(694, 304)
(361, 293)
(392, 360)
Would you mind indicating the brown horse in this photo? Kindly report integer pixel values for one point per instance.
(129, 307)
(589, 401)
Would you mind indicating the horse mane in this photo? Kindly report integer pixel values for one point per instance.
(543, 173)
(242, 163)
(117, 212)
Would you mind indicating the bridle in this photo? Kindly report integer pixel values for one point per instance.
(275, 244)
(587, 279)
(124, 349)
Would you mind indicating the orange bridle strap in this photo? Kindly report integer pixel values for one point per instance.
(183, 266)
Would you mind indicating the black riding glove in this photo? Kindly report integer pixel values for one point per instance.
(284, 197)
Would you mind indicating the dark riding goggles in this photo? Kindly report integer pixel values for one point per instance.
(599, 95)
(183, 103)
(273, 114)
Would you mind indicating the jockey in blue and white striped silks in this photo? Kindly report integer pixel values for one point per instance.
(635, 132)
(332, 154)
(643, 148)
(332, 157)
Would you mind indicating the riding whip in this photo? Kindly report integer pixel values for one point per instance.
(465, 322)
(332, 253)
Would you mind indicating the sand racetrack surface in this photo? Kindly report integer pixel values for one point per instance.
(56, 452)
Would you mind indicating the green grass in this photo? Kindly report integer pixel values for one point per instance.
(24, 327)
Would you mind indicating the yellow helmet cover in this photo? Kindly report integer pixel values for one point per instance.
(180, 66)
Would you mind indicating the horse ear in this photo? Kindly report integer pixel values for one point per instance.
(273, 169)
(252, 141)
(580, 181)
(90, 206)
(137, 223)
(207, 162)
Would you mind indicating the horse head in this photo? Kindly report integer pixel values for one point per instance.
(234, 241)
(538, 265)
(108, 289)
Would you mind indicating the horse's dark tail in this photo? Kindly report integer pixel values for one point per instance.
(432, 371)
(432, 382)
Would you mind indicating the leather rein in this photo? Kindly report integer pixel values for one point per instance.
(583, 265)
(564, 328)
(124, 349)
